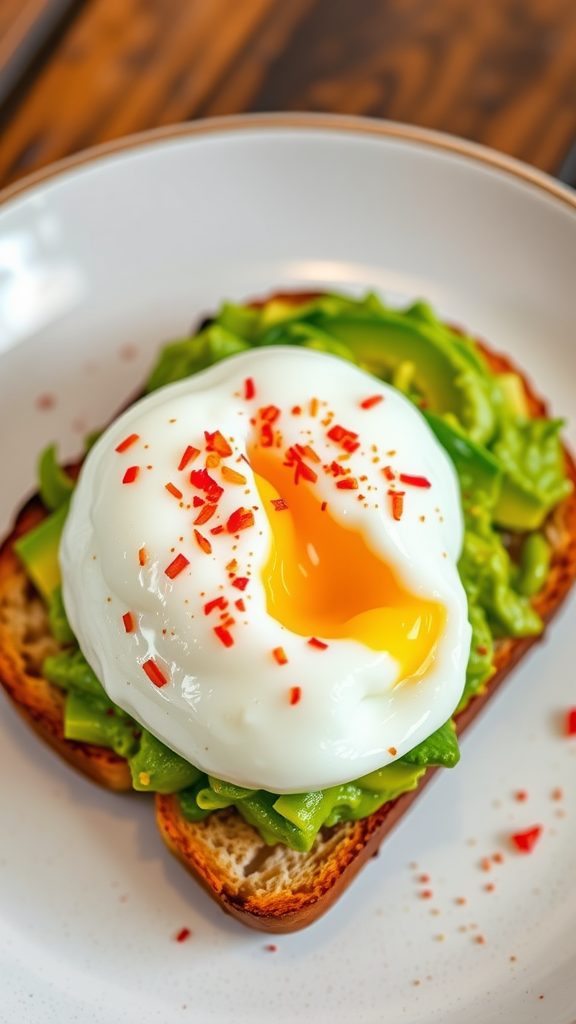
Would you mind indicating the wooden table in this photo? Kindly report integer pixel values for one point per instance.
(74, 73)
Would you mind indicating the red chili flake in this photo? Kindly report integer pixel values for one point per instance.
(424, 879)
(323, 506)
(280, 655)
(228, 621)
(128, 621)
(249, 389)
(183, 934)
(270, 413)
(224, 635)
(241, 519)
(295, 694)
(521, 795)
(175, 567)
(266, 435)
(349, 483)
(305, 471)
(218, 602)
(307, 452)
(460, 900)
(369, 403)
(142, 556)
(155, 674)
(336, 469)
(350, 446)
(414, 481)
(241, 582)
(388, 472)
(205, 514)
(339, 434)
(203, 543)
(485, 864)
(480, 940)
(279, 504)
(392, 751)
(557, 794)
(482, 650)
(201, 479)
(489, 887)
(174, 491)
(130, 474)
(525, 841)
(296, 410)
(271, 947)
(426, 894)
(217, 529)
(498, 858)
(131, 439)
(197, 501)
(239, 604)
(292, 456)
(216, 442)
(189, 455)
(232, 475)
(232, 565)
(571, 722)
(397, 504)
(313, 642)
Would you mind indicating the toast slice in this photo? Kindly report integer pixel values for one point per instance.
(272, 889)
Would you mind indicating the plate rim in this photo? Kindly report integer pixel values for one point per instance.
(310, 121)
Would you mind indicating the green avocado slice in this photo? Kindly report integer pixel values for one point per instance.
(445, 379)
(38, 552)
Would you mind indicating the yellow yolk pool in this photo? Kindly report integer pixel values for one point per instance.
(323, 580)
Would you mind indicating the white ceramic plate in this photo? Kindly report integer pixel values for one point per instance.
(101, 262)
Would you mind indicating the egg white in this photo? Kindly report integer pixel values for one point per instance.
(227, 709)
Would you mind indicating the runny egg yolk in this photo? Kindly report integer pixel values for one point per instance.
(322, 579)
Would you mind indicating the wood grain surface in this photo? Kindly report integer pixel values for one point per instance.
(28, 29)
(500, 72)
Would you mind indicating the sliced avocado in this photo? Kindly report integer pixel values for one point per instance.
(38, 552)
(513, 394)
(91, 720)
(477, 468)
(158, 769)
(517, 508)
(70, 671)
(446, 379)
(534, 564)
(532, 457)
(391, 780)
(440, 748)
(59, 626)
(184, 358)
(54, 483)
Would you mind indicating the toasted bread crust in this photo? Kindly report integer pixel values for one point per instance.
(25, 641)
(268, 888)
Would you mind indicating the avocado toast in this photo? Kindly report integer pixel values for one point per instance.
(269, 886)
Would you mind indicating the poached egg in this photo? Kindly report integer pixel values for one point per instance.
(260, 566)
